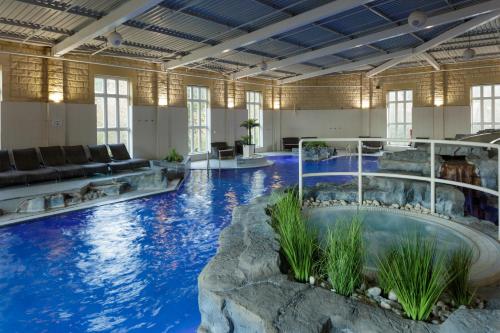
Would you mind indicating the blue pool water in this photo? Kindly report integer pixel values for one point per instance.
(132, 266)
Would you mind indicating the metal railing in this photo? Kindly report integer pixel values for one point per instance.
(431, 179)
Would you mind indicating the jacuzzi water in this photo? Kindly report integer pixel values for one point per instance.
(381, 229)
(131, 266)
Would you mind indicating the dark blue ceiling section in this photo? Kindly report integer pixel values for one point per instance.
(353, 21)
(294, 6)
(400, 9)
(397, 43)
(358, 52)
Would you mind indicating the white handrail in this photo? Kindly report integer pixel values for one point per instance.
(431, 179)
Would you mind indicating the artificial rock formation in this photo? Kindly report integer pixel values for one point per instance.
(449, 200)
(243, 290)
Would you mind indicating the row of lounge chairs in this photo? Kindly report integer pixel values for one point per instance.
(27, 166)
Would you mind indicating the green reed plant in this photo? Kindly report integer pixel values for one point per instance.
(459, 288)
(416, 272)
(297, 241)
(344, 255)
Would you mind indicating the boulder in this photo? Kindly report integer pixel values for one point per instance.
(32, 205)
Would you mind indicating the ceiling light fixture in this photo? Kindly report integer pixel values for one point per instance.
(469, 53)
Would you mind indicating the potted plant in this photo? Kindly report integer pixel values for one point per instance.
(248, 145)
(174, 163)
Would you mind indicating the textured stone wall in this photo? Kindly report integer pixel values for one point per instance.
(30, 78)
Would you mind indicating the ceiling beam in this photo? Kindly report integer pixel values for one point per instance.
(106, 24)
(399, 56)
(449, 17)
(444, 37)
(427, 57)
(288, 24)
(356, 65)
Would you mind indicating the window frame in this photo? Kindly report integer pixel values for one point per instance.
(494, 100)
(251, 103)
(406, 101)
(193, 128)
(117, 96)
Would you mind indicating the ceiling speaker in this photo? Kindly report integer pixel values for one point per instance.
(468, 54)
(417, 19)
(114, 39)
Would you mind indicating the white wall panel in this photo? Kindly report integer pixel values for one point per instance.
(144, 131)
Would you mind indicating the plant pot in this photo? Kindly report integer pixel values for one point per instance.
(248, 150)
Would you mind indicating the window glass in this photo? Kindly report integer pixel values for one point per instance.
(122, 87)
(399, 114)
(110, 86)
(255, 111)
(99, 86)
(112, 98)
(198, 105)
(485, 107)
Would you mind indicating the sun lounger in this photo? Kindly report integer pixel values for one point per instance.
(27, 162)
(9, 176)
(53, 157)
(77, 155)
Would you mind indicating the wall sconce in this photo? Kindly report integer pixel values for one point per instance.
(56, 97)
(162, 101)
(365, 104)
(276, 105)
(230, 103)
(438, 101)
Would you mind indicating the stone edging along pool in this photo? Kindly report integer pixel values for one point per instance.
(243, 290)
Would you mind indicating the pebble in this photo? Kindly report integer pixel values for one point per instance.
(395, 305)
(396, 311)
(343, 203)
(436, 322)
(363, 286)
(312, 280)
(392, 296)
(376, 203)
(461, 307)
(385, 305)
(374, 291)
(323, 285)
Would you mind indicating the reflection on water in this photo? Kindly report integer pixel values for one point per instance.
(133, 266)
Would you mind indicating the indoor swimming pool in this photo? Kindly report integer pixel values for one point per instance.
(131, 266)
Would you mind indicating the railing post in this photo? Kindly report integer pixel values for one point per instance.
(300, 172)
(433, 183)
(360, 171)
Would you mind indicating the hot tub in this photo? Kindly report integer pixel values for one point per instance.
(384, 226)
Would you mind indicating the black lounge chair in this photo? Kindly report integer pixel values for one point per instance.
(290, 143)
(371, 147)
(77, 155)
(221, 150)
(27, 162)
(9, 176)
(53, 157)
(99, 153)
(120, 155)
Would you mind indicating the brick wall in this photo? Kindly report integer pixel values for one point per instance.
(29, 78)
